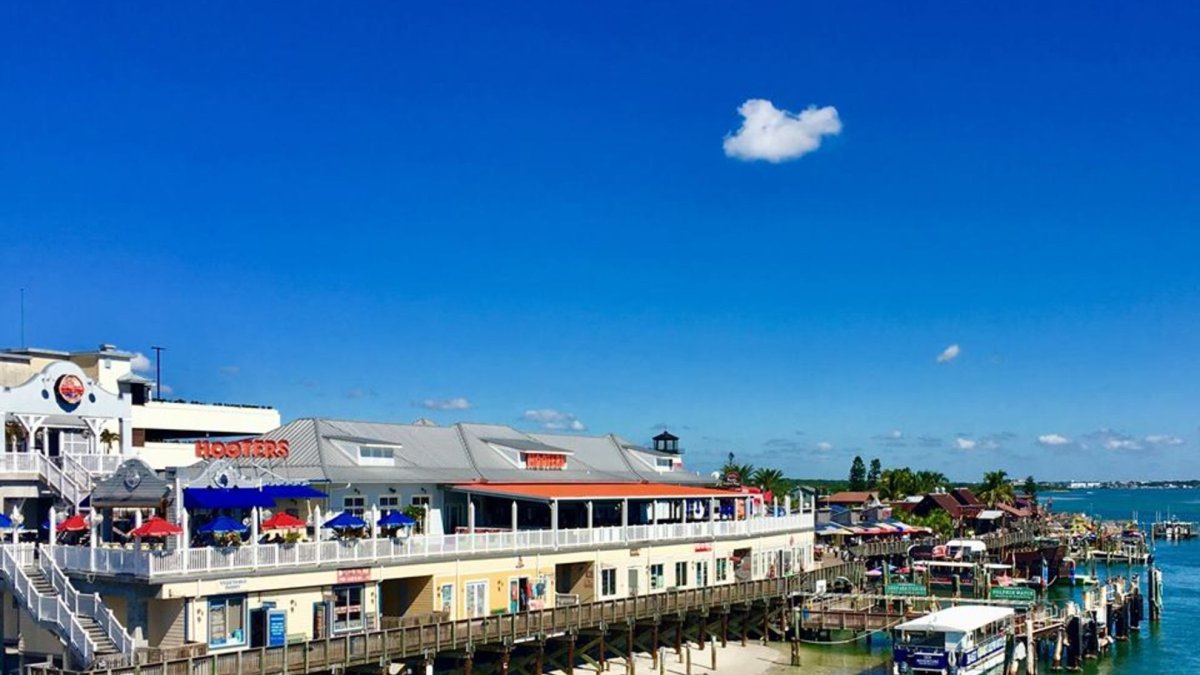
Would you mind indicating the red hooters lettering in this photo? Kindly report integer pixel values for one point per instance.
(258, 448)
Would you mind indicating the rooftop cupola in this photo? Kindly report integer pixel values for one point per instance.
(666, 442)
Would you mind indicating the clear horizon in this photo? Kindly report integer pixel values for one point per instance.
(956, 238)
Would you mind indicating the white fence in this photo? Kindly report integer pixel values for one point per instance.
(165, 564)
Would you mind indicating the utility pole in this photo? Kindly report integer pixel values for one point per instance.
(158, 371)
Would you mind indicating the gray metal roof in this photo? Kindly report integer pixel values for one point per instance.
(326, 449)
(134, 483)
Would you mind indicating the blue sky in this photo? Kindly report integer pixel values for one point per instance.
(350, 213)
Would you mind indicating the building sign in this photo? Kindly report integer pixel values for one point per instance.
(354, 575)
(701, 548)
(236, 449)
(1018, 593)
(232, 584)
(544, 461)
(70, 389)
(276, 627)
(905, 589)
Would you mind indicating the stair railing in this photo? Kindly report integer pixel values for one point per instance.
(87, 604)
(46, 609)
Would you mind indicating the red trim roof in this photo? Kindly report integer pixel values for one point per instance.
(595, 490)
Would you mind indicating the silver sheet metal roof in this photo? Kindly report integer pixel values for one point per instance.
(327, 449)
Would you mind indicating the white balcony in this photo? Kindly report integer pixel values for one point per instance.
(169, 565)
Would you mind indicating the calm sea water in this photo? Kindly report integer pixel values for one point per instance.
(1172, 645)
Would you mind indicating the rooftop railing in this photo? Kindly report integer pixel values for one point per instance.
(168, 565)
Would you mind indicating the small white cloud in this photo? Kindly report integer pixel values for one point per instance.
(1163, 439)
(776, 135)
(457, 403)
(1053, 439)
(355, 393)
(554, 420)
(140, 362)
(1115, 440)
(964, 443)
(949, 354)
(229, 370)
(165, 389)
(824, 446)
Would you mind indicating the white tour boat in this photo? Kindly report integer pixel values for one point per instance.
(965, 640)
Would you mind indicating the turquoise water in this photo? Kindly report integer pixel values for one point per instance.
(1172, 645)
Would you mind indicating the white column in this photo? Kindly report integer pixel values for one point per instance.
(53, 522)
(554, 521)
(625, 519)
(712, 516)
(514, 517)
(470, 515)
(683, 510)
(374, 521)
(787, 505)
(254, 526)
(591, 523)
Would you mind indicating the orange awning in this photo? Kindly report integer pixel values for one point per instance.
(585, 491)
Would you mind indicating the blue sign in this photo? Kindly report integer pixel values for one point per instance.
(276, 627)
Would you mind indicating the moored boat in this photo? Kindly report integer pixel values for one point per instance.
(968, 640)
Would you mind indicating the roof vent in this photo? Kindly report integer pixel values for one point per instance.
(424, 422)
(105, 347)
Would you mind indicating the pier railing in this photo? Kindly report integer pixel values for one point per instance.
(193, 562)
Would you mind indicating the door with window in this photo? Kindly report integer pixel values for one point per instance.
(475, 599)
(347, 608)
(632, 576)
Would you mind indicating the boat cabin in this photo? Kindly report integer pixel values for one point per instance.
(968, 639)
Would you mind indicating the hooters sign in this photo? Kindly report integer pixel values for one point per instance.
(70, 389)
(238, 449)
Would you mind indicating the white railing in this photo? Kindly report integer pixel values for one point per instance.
(86, 604)
(98, 465)
(51, 610)
(213, 560)
(38, 465)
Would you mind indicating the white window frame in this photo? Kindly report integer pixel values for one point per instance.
(608, 575)
(658, 581)
(376, 454)
(681, 574)
(356, 505)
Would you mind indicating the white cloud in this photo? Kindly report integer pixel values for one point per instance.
(824, 446)
(165, 389)
(949, 354)
(140, 362)
(229, 370)
(1053, 439)
(963, 443)
(1163, 439)
(457, 403)
(776, 135)
(554, 420)
(1115, 440)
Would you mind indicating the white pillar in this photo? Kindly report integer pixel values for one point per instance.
(712, 516)
(787, 505)
(470, 515)
(625, 519)
(53, 522)
(591, 522)
(254, 526)
(514, 517)
(683, 510)
(374, 521)
(554, 520)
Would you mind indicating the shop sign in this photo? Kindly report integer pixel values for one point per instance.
(70, 389)
(545, 461)
(232, 584)
(276, 627)
(354, 575)
(236, 449)
(905, 589)
(701, 548)
(1018, 593)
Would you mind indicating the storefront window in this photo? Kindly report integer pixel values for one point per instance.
(702, 573)
(354, 505)
(608, 583)
(681, 574)
(227, 621)
(722, 565)
(347, 608)
(657, 577)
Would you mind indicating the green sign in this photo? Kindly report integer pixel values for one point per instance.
(905, 589)
(1013, 593)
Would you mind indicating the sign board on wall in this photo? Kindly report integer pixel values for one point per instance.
(1019, 593)
(276, 628)
(354, 575)
(235, 449)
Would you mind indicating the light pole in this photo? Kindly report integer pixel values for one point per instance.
(158, 371)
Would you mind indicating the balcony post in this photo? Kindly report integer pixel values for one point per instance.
(554, 521)
(514, 523)
(591, 523)
(625, 519)
(712, 516)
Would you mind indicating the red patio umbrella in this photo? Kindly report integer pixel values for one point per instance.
(156, 527)
(283, 521)
(75, 523)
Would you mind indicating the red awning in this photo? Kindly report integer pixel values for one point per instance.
(76, 523)
(283, 521)
(156, 527)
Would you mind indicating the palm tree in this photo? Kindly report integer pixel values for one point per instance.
(744, 472)
(108, 437)
(896, 484)
(996, 489)
(14, 433)
(770, 480)
(939, 521)
(1031, 488)
(926, 481)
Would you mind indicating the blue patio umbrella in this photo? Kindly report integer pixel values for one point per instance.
(6, 523)
(396, 519)
(222, 525)
(345, 521)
